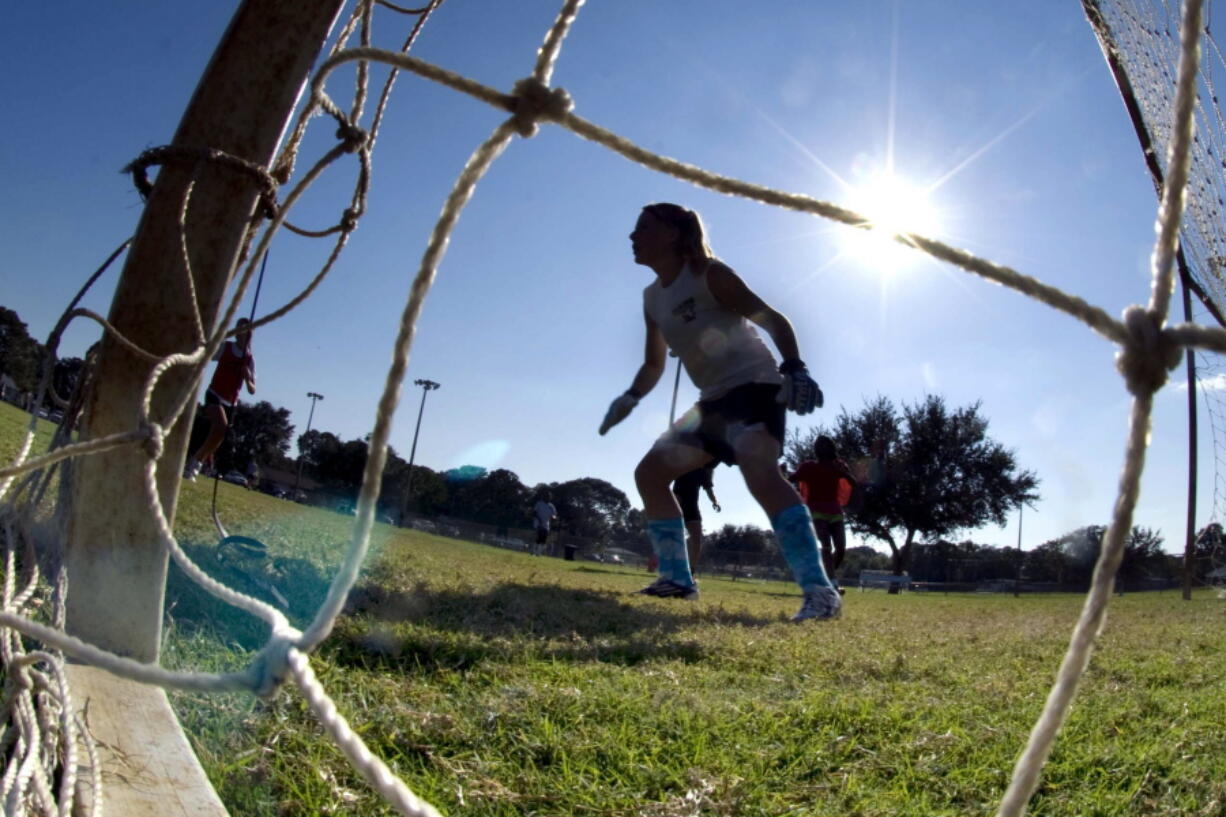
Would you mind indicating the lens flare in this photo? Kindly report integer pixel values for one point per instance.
(893, 207)
(486, 454)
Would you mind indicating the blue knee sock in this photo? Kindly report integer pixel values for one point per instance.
(668, 541)
(798, 541)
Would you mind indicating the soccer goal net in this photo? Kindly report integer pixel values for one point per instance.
(132, 440)
(1142, 44)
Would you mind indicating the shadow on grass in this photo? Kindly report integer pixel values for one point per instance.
(295, 586)
(456, 630)
(610, 570)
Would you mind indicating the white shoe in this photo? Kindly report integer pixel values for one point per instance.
(192, 469)
(822, 603)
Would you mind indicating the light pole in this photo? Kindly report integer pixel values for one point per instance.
(1017, 581)
(427, 386)
(310, 416)
(672, 412)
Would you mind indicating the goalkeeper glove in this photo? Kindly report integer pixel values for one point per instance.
(618, 410)
(800, 392)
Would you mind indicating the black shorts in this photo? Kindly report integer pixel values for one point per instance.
(686, 490)
(713, 425)
(211, 399)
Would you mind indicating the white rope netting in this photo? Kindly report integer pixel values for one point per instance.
(1143, 38)
(37, 703)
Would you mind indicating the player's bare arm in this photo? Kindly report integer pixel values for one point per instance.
(733, 293)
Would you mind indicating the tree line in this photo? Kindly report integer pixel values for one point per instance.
(21, 362)
(928, 472)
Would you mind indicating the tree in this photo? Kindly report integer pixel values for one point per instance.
(1079, 550)
(429, 488)
(1209, 550)
(319, 451)
(20, 355)
(588, 507)
(66, 375)
(937, 561)
(944, 473)
(316, 444)
(1143, 556)
(863, 557)
(631, 532)
(495, 498)
(344, 470)
(1045, 563)
(258, 431)
(740, 545)
(465, 473)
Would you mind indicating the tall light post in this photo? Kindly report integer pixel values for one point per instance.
(1018, 581)
(672, 412)
(310, 416)
(427, 386)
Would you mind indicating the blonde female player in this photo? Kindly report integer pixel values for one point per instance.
(704, 312)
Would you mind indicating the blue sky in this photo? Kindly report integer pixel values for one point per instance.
(1007, 111)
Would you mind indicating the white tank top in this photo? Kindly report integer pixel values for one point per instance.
(719, 349)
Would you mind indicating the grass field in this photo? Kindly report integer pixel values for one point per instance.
(497, 683)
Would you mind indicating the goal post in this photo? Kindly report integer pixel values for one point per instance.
(115, 564)
(116, 567)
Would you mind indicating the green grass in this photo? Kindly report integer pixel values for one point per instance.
(500, 684)
(496, 683)
(14, 423)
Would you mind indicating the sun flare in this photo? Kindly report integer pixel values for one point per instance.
(893, 206)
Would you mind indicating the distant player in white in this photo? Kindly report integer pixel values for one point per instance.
(543, 514)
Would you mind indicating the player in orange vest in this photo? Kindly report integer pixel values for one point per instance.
(826, 484)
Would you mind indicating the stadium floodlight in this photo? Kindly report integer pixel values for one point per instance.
(315, 397)
(427, 386)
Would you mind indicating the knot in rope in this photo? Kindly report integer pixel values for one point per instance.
(533, 100)
(269, 207)
(349, 219)
(352, 137)
(271, 666)
(184, 156)
(282, 171)
(22, 679)
(1148, 354)
(155, 437)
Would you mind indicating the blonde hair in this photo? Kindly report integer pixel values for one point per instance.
(692, 242)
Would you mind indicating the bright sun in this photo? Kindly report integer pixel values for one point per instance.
(893, 205)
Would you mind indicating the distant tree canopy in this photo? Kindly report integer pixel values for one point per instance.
(943, 561)
(1209, 551)
(588, 507)
(1067, 561)
(259, 432)
(1071, 558)
(21, 356)
(465, 473)
(428, 488)
(496, 497)
(739, 544)
(942, 472)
